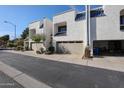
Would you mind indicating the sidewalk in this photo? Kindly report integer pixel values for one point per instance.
(11, 77)
(75, 59)
(8, 82)
(111, 63)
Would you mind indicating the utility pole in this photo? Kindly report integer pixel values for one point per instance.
(88, 50)
(8, 22)
(88, 24)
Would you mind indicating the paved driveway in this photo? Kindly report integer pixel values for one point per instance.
(58, 74)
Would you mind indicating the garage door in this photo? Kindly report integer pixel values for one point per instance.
(109, 47)
(70, 47)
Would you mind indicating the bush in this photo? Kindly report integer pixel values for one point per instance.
(19, 42)
(26, 48)
(19, 48)
(38, 52)
(50, 50)
(9, 44)
(37, 38)
(42, 50)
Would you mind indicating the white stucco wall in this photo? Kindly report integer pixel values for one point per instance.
(107, 27)
(75, 29)
(35, 25)
(48, 25)
(37, 46)
(46, 30)
(102, 28)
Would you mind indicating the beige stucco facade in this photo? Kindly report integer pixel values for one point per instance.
(40, 27)
(74, 39)
(105, 27)
(75, 32)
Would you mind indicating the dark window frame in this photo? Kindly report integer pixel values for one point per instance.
(121, 20)
(97, 13)
(61, 27)
(41, 26)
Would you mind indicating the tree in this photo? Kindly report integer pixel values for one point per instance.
(19, 42)
(5, 38)
(11, 44)
(25, 33)
(37, 38)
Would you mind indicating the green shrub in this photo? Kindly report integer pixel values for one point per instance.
(42, 50)
(50, 50)
(38, 52)
(37, 38)
(19, 48)
(10, 44)
(19, 42)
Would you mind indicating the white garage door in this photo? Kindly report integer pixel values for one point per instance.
(70, 47)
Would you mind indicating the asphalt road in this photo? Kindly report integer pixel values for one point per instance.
(7, 82)
(59, 74)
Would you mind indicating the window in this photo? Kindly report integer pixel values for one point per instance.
(80, 16)
(97, 13)
(93, 13)
(41, 26)
(122, 19)
(62, 29)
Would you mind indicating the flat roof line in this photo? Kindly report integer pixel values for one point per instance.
(64, 12)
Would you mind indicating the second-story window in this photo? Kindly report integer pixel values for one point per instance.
(122, 19)
(41, 26)
(97, 13)
(62, 29)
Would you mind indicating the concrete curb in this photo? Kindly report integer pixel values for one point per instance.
(22, 78)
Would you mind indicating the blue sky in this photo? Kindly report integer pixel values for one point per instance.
(23, 15)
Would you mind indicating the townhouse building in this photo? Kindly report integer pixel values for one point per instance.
(106, 30)
(39, 27)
